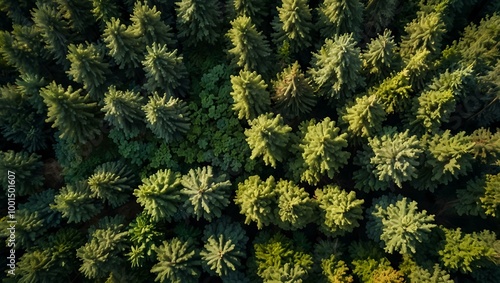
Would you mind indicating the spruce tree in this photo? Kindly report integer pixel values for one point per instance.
(144, 235)
(335, 69)
(21, 48)
(208, 194)
(105, 10)
(148, 26)
(486, 145)
(424, 32)
(123, 109)
(295, 209)
(380, 57)
(293, 95)
(76, 13)
(87, 67)
(27, 169)
(167, 119)
(293, 24)
(337, 17)
(340, 210)
(250, 95)
(364, 116)
(253, 9)
(250, 49)
(268, 137)
(123, 45)
(491, 199)
(75, 202)
(164, 69)
(72, 113)
(160, 194)
(198, 21)
(394, 92)
(177, 262)
(378, 14)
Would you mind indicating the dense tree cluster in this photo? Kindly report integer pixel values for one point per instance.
(250, 140)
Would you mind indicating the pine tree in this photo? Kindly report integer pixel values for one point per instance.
(123, 109)
(491, 199)
(208, 193)
(424, 32)
(148, 26)
(88, 68)
(253, 9)
(335, 69)
(337, 17)
(198, 21)
(167, 119)
(250, 95)
(123, 45)
(321, 150)
(364, 116)
(335, 271)
(164, 69)
(27, 169)
(177, 262)
(378, 15)
(75, 202)
(160, 194)
(380, 57)
(256, 199)
(250, 49)
(486, 145)
(293, 24)
(268, 137)
(144, 235)
(76, 13)
(105, 10)
(72, 113)
(469, 197)
(293, 94)
(340, 210)
(394, 92)
(294, 207)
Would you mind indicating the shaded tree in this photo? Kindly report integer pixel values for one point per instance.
(75, 202)
(177, 262)
(340, 16)
(293, 24)
(123, 110)
(164, 69)
(198, 21)
(123, 45)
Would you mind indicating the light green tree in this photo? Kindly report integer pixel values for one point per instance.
(295, 209)
(380, 57)
(250, 95)
(167, 119)
(76, 203)
(123, 45)
(364, 116)
(178, 262)
(148, 26)
(123, 109)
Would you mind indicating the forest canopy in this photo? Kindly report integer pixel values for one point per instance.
(250, 141)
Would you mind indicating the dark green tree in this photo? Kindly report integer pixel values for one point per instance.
(268, 137)
(178, 262)
(335, 69)
(76, 13)
(144, 234)
(337, 17)
(198, 21)
(75, 202)
(295, 209)
(27, 169)
(148, 26)
(293, 95)
(486, 145)
(378, 14)
(293, 24)
(208, 194)
(160, 194)
(105, 10)
(250, 49)
(164, 69)
(253, 9)
(123, 110)
(167, 119)
(340, 210)
(123, 45)
(250, 95)
(72, 113)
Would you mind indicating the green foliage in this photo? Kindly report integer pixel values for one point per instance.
(75, 202)
(294, 207)
(321, 150)
(250, 95)
(148, 26)
(335, 271)
(469, 198)
(167, 119)
(256, 199)
(486, 145)
(335, 69)
(249, 46)
(123, 109)
(432, 274)
(340, 210)
(380, 57)
(160, 194)
(208, 194)
(144, 234)
(21, 48)
(72, 113)
(123, 45)
(465, 251)
(105, 10)
(337, 17)
(164, 69)
(27, 169)
(378, 14)
(424, 32)
(293, 94)
(177, 262)
(253, 9)
(364, 116)
(88, 67)
(293, 24)
(76, 13)
(268, 137)
(491, 199)
(198, 21)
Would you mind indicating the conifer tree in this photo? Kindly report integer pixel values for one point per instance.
(72, 113)
(198, 21)
(224, 247)
(340, 210)
(75, 202)
(256, 199)
(365, 178)
(486, 145)
(208, 194)
(321, 150)
(491, 199)
(123, 45)
(365, 116)
(293, 24)
(177, 262)
(123, 109)
(29, 86)
(250, 95)
(105, 10)
(148, 26)
(293, 94)
(250, 49)
(335, 69)
(87, 67)
(378, 14)
(144, 236)
(294, 207)
(337, 17)
(424, 32)
(469, 197)
(160, 194)
(253, 9)
(21, 48)
(76, 13)
(394, 92)
(167, 119)
(164, 69)
(335, 270)
(380, 57)
(268, 137)
(27, 169)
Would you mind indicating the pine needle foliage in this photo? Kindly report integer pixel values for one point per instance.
(27, 169)
(293, 24)
(178, 262)
(75, 202)
(250, 95)
(123, 45)
(198, 21)
(164, 69)
(380, 56)
(148, 26)
(123, 109)
(424, 32)
(295, 209)
(491, 199)
(253, 9)
(378, 14)
(337, 17)
(208, 194)
(365, 116)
